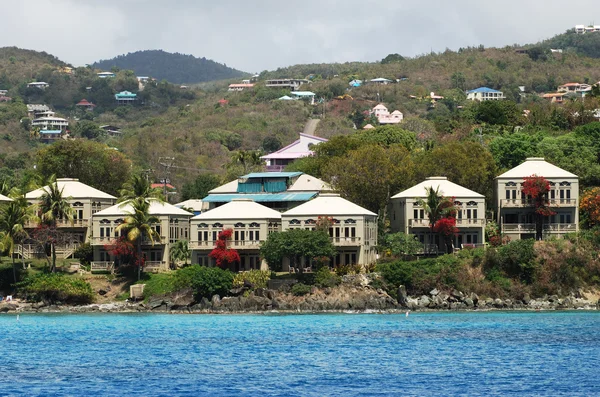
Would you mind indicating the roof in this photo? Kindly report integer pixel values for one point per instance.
(71, 187)
(554, 94)
(125, 94)
(156, 208)
(239, 209)
(241, 85)
(286, 98)
(260, 197)
(84, 102)
(368, 127)
(194, 204)
(49, 119)
(162, 186)
(536, 166)
(37, 107)
(303, 93)
(328, 204)
(380, 79)
(484, 89)
(307, 182)
(50, 131)
(271, 175)
(298, 148)
(229, 187)
(380, 106)
(4, 198)
(446, 188)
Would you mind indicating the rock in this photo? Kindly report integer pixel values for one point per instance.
(215, 301)
(264, 293)
(155, 303)
(469, 302)
(238, 291)
(498, 303)
(424, 301)
(474, 298)
(102, 292)
(8, 307)
(526, 299)
(553, 298)
(181, 299)
(434, 292)
(458, 295)
(402, 297)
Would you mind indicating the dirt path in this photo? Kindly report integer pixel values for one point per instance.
(310, 126)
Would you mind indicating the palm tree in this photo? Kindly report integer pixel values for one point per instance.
(139, 187)
(13, 217)
(54, 207)
(138, 225)
(436, 207)
(248, 159)
(180, 252)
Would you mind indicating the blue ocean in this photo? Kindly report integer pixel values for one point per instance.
(424, 354)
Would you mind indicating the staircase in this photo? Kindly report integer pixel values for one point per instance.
(30, 251)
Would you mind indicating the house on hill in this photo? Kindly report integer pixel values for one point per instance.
(381, 80)
(484, 94)
(250, 222)
(4, 98)
(240, 87)
(309, 95)
(42, 85)
(49, 136)
(104, 75)
(515, 210)
(85, 104)
(277, 190)
(292, 84)
(37, 110)
(111, 130)
(577, 88)
(385, 117)
(277, 161)
(50, 123)
(407, 215)
(125, 98)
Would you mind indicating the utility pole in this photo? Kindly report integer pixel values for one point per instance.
(166, 162)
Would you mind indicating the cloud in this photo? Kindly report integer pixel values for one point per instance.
(254, 36)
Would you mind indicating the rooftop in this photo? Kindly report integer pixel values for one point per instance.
(239, 209)
(328, 204)
(446, 188)
(484, 89)
(537, 166)
(156, 208)
(260, 197)
(71, 187)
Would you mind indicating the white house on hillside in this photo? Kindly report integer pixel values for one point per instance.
(250, 222)
(515, 210)
(484, 94)
(385, 117)
(407, 215)
(353, 230)
(301, 147)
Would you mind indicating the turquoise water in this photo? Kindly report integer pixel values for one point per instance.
(424, 354)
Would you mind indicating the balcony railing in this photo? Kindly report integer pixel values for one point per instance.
(519, 203)
(463, 222)
(548, 227)
(348, 241)
(237, 244)
(97, 240)
(96, 267)
(62, 223)
(275, 168)
(155, 266)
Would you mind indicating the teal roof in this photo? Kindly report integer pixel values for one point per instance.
(260, 197)
(50, 132)
(125, 94)
(271, 175)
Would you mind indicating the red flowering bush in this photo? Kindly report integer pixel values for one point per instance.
(125, 251)
(537, 188)
(223, 255)
(446, 226)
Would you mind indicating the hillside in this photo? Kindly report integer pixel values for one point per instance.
(19, 65)
(587, 44)
(173, 67)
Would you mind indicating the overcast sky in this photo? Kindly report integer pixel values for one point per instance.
(265, 34)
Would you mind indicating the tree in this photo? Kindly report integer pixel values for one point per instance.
(138, 187)
(536, 189)
(93, 163)
(87, 129)
(180, 252)
(392, 58)
(200, 187)
(13, 217)
(54, 207)
(388, 135)
(403, 244)
(248, 159)
(224, 256)
(138, 226)
(589, 207)
(295, 244)
(441, 214)
(271, 144)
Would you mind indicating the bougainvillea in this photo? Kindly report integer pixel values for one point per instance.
(446, 226)
(324, 223)
(222, 254)
(125, 251)
(536, 189)
(590, 206)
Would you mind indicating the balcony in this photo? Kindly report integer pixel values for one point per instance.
(101, 267)
(61, 223)
(275, 168)
(518, 203)
(345, 241)
(235, 244)
(547, 228)
(460, 222)
(96, 240)
(155, 266)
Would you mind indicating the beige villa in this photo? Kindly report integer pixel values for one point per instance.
(250, 222)
(515, 211)
(353, 230)
(407, 215)
(85, 201)
(173, 225)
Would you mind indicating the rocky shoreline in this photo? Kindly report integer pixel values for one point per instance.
(348, 297)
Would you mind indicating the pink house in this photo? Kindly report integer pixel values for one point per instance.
(277, 161)
(385, 117)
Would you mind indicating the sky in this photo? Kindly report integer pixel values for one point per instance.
(266, 34)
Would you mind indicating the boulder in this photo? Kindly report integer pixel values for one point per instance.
(498, 303)
(424, 301)
(8, 307)
(181, 299)
(469, 302)
(215, 301)
(154, 303)
(402, 296)
(434, 292)
(458, 295)
(526, 299)
(475, 298)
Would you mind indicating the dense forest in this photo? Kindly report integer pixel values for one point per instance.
(173, 67)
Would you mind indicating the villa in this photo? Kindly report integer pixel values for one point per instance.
(50, 123)
(300, 148)
(292, 84)
(577, 88)
(104, 75)
(515, 210)
(381, 80)
(49, 136)
(111, 129)
(84, 104)
(35, 111)
(407, 215)
(310, 96)
(85, 201)
(384, 117)
(484, 94)
(42, 85)
(280, 191)
(353, 229)
(173, 225)
(240, 87)
(251, 224)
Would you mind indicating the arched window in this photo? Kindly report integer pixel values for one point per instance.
(349, 220)
(294, 222)
(309, 222)
(254, 224)
(472, 204)
(217, 224)
(239, 224)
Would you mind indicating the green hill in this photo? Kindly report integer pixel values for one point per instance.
(19, 65)
(587, 44)
(173, 67)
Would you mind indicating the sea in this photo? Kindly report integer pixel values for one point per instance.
(419, 354)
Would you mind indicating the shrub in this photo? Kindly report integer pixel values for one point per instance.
(54, 287)
(85, 253)
(325, 278)
(258, 278)
(516, 259)
(300, 289)
(205, 281)
(158, 284)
